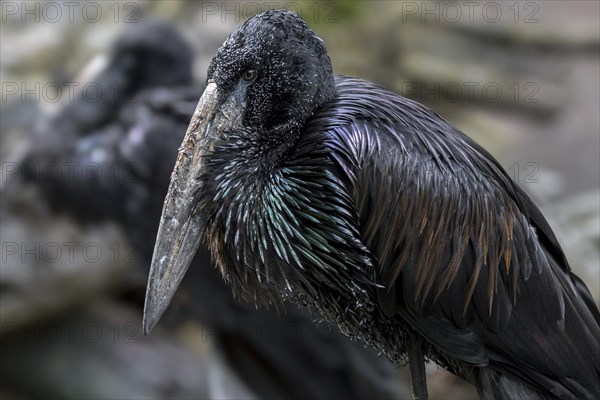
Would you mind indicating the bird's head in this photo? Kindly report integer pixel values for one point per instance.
(152, 54)
(274, 70)
(266, 80)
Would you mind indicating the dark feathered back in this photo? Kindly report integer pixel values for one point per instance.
(462, 253)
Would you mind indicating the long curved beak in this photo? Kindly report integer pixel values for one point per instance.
(181, 227)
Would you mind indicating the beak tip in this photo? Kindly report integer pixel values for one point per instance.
(151, 316)
(149, 322)
(147, 327)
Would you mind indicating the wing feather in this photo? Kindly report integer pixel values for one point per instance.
(463, 254)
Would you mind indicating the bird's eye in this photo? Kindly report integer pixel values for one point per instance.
(250, 75)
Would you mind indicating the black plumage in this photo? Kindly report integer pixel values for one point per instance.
(117, 168)
(372, 209)
(136, 62)
(97, 157)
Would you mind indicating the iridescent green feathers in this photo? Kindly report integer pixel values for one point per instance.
(289, 229)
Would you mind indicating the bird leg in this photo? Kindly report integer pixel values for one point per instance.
(416, 362)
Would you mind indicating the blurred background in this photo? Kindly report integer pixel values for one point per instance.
(95, 99)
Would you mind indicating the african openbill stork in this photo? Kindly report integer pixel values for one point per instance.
(335, 193)
(131, 141)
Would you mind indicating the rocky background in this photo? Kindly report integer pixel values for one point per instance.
(522, 78)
